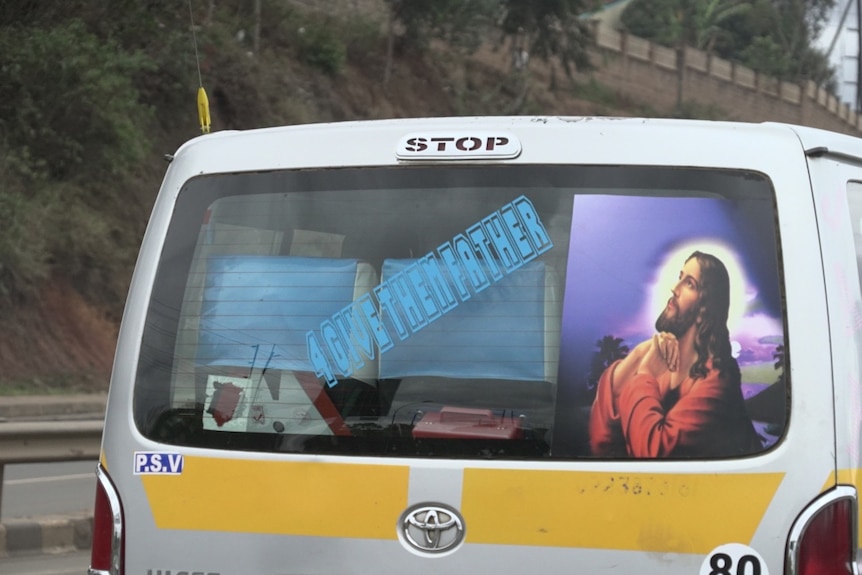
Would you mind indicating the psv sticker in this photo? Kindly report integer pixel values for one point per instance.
(158, 463)
(458, 145)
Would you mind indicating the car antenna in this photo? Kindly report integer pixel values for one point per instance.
(203, 101)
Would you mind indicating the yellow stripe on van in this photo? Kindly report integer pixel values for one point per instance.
(672, 513)
(288, 498)
(849, 476)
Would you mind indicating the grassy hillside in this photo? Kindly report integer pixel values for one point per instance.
(72, 228)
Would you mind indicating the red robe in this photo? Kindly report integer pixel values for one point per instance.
(703, 417)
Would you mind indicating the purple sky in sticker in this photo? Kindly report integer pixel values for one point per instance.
(618, 246)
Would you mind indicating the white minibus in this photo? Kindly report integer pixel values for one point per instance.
(504, 345)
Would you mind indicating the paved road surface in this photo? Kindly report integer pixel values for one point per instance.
(33, 490)
(48, 489)
(74, 563)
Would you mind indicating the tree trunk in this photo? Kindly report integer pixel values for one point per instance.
(256, 40)
(523, 82)
(390, 49)
(680, 75)
(210, 11)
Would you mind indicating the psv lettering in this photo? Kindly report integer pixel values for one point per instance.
(152, 463)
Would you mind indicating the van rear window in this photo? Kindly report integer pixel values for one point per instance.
(473, 312)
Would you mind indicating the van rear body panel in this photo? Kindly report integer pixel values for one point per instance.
(427, 345)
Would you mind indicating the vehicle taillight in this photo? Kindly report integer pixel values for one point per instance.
(823, 541)
(106, 556)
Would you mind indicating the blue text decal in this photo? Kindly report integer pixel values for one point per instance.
(485, 253)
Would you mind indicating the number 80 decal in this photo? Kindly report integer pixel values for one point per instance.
(734, 559)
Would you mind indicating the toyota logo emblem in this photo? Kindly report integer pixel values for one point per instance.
(431, 528)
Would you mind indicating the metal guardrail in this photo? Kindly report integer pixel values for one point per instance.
(47, 441)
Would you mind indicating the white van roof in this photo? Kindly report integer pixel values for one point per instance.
(585, 140)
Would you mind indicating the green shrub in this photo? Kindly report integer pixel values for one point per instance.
(318, 45)
(67, 99)
(24, 230)
(363, 40)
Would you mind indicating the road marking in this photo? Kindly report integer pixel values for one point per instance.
(52, 478)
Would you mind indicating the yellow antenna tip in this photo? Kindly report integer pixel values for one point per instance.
(204, 110)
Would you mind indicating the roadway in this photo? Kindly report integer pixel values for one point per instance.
(33, 490)
(72, 563)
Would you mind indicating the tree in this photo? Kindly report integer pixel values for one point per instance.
(799, 24)
(773, 37)
(696, 23)
(779, 356)
(550, 29)
(80, 81)
(682, 23)
(778, 38)
(610, 349)
(708, 17)
(415, 23)
(68, 97)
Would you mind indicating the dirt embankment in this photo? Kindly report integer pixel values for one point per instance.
(57, 341)
(60, 341)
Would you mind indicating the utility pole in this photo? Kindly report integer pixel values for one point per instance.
(858, 55)
(840, 29)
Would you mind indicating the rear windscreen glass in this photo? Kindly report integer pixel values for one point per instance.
(476, 312)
